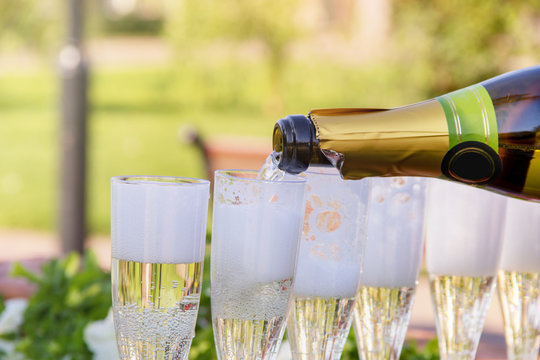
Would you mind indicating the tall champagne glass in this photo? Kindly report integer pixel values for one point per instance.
(463, 247)
(158, 228)
(255, 236)
(519, 280)
(328, 267)
(392, 259)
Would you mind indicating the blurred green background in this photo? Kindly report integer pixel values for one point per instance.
(225, 67)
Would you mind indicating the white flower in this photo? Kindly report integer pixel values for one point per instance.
(12, 316)
(284, 351)
(101, 339)
(8, 351)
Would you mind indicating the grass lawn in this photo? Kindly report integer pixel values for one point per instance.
(136, 116)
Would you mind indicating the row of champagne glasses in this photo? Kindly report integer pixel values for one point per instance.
(315, 254)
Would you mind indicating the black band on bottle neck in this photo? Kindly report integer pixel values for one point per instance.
(294, 139)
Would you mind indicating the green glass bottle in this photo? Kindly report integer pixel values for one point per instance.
(487, 134)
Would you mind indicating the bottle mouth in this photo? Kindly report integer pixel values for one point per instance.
(277, 140)
(293, 142)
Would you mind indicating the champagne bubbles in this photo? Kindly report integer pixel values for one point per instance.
(263, 248)
(330, 250)
(159, 222)
(394, 232)
(463, 227)
(155, 308)
(521, 245)
(326, 278)
(255, 234)
(251, 301)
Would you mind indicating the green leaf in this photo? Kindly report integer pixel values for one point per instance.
(411, 351)
(69, 296)
(20, 271)
(71, 264)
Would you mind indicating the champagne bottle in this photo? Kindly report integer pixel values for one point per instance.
(487, 134)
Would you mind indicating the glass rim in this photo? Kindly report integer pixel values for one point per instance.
(228, 173)
(159, 180)
(316, 171)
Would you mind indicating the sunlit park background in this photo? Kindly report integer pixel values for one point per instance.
(224, 68)
(160, 70)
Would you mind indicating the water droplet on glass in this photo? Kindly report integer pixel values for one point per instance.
(401, 198)
(399, 182)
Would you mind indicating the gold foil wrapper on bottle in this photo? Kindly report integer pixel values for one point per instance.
(409, 140)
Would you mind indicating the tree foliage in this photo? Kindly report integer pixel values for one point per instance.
(192, 22)
(195, 23)
(30, 23)
(458, 43)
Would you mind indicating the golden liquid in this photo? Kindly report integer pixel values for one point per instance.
(381, 317)
(155, 308)
(317, 328)
(249, 323)
(461, 303)
(519, 295)
(248, 339)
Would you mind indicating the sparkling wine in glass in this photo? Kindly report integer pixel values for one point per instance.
(255, 236)
(158, 234)
(463, 247)
(328, 267)
(519, 280)
(392, 259)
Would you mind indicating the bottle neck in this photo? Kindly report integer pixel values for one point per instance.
(412, 140)
(406, 141)
(295, 142)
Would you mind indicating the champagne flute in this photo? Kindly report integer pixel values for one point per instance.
(519, 280)
(158, 235)
(255, 236)
(328, 267)
(392, 260)
(463, 247)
